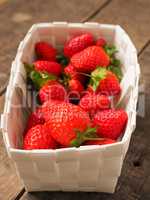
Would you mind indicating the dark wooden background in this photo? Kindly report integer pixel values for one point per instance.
(16, 17)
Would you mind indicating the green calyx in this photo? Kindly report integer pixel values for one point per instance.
(115, 67)
(117, 71)
(115, 64)
(89, 134)
(62, 60)
(41, 78)
(38, 78)
(97, 75)
(110, 50)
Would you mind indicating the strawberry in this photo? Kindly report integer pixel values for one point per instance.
(88, 59)
(100, 142)
(38, 137)
(52, 91)
(77, 44)
(50, 67)
(73, 74)
(101, 42)
(45, 51)
(94, 102)
(37, 77)
(105, 81)
(69, 124)
(75, 86)
(75, 91)
(111, 123)
(45, 108)
(34, 119)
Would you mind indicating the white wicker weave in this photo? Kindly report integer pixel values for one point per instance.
(88, 168)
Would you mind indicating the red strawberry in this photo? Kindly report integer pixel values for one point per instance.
(101, 42)
(45, 108)
(48, 66)
(76, 89)
(90, 90)
(106, 82)
(52, 91)
(77, 44)
(73, 74)
(100, 142)
(111, 123)
(38, 137)
(94, 102)
(34, 119)
(88, 59)
(45, 51)
(69, 124)
(75, 86)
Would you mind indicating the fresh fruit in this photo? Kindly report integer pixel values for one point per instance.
(106, 82)
(45, 108)
(101, 42)
(34, 119)
(36, 77)
(75, 90)
(69, 124)
(52, 91)
(75, 86)
(38, 137)
(88, 59)
(73, 74)
(45, 51)
(100, 142)
(62, 60)
(77, 44)
(111, 123)
(94, 102)
(50, 67)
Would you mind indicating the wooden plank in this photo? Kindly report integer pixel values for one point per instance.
(133, 16)
(133, 183)
(19, 17)
(145, 58)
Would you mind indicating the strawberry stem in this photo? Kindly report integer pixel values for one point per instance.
(89, 134)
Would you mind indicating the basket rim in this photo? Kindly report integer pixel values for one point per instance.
(62, 25)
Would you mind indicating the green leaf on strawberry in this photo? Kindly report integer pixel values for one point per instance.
(38, 78)
(110, 50)
(115, 62)
(89, 134)
(98, 74)
(117, 71)
(41, 78)
(63, 60)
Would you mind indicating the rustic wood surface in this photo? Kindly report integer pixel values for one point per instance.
(16, 17)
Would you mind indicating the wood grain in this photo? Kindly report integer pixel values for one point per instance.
(133, 16)
(17, 17)
(134, 181)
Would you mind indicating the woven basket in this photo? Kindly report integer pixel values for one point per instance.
(88, 168)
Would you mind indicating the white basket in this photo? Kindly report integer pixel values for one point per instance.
(88, 168)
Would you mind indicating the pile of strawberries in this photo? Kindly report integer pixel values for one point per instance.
(75, 89)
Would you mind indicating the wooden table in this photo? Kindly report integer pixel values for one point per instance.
(16, 17)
